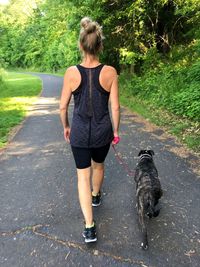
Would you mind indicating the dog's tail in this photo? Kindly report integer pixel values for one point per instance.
(149, 205)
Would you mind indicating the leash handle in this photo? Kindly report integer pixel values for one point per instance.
(116, 140)
(120, 160)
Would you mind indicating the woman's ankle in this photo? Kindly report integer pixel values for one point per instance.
(89, 225)
(94, 193)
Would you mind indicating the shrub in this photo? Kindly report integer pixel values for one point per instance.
(175, 88)
(187, 102)
(2, 74)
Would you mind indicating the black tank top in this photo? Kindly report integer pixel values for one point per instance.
(91, 125)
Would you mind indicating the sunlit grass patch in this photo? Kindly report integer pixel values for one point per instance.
(17, 93)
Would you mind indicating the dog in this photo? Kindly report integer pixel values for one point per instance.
(148, 191)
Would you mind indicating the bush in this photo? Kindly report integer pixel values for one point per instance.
(2, 74)
(194, 73)
(187, 102)
(175, 88)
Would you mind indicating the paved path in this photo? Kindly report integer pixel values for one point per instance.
(40, 218)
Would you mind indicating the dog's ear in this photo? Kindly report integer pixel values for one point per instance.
(151, 152)
(141, 152)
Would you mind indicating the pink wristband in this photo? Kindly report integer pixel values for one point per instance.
(116, 140)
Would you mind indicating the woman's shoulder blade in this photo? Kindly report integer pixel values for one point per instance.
(110, 69)
(71, 71)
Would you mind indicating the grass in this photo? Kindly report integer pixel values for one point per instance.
(60, 72)
(17, 93)
(187, 131)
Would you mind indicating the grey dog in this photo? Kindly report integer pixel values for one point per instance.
(148, 191)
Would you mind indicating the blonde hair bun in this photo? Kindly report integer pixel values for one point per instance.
(88, 25)
(85, 21)
(90, 36)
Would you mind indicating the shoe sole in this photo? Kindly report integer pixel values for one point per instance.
(96, 205)
(89, 240)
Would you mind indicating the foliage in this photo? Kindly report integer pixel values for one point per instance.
(187, 130)
(2, 76)
(44, 33)
(177, 91)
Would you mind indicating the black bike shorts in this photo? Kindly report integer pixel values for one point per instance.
(83, 156)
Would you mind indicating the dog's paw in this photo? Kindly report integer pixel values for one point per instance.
(156, 212)
(149, 215)
(144, 246)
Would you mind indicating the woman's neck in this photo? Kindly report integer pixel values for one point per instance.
(90, 61)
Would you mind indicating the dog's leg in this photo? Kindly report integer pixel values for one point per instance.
(157, 209)
(142, 221)
(156, 212)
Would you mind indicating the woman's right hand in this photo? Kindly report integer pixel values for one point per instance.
(67, 134)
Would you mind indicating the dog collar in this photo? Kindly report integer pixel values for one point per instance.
(145, 156)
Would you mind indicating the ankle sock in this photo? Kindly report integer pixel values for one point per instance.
(94, 194)
(89, 226)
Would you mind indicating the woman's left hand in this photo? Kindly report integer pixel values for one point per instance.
(67, 134)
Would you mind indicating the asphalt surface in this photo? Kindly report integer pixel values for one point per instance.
(40, 217)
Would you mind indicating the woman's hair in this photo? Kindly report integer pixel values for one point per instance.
(91, 36)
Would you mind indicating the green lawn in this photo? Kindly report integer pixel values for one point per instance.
(60, 72)
(17, 93)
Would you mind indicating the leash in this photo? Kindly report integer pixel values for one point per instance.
(123, 163)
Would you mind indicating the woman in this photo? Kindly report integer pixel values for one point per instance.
(92, 84)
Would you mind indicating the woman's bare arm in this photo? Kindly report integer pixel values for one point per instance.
(64, 104)
(114, 99)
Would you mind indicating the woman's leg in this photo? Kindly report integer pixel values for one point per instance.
(85, 198)
(97, 176)
(98, 158)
